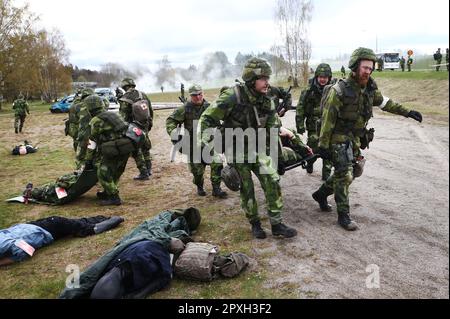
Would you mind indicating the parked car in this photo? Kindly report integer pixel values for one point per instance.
(106, 92)
(63, 105)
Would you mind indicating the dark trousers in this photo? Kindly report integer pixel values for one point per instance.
(60, 227)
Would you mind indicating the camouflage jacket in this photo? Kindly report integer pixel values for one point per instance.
(102, 131)
(253, 111)
(185, 115)
(348, 109)
(308, 106)
(125, 108)
(20, 107)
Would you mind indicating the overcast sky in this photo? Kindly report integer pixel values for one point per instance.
(141, 32)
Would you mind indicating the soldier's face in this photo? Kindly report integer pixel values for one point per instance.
(262, 85)
(323, 80)
(363, 72)
(197, 99)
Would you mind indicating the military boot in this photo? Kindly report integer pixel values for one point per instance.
(16, 130)
(102, 195)
(218, 192)
(257, 230)
(20, 128)
(310, 167)
(283, 231)
(321, 198)
(143, 176)
(345, 221)
(111, 200)
(201, 190)
(148, 164)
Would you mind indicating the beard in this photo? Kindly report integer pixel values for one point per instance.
(362, 79)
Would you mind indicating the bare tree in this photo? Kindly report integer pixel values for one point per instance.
(293, 18)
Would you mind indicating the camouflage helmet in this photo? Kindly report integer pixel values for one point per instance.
(127, 82)
(195, 89)
(361, 54)
(231, 178)
(20, 97)
(86, 92)
(256, 68)
(94, 104)
(323, 69)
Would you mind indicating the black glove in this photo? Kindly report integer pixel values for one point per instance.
(324, 153)
(89, 165)
(301, 130)
(415, 115)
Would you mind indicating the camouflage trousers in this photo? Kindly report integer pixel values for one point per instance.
(270, 183)
(198, 170)
(142, 156)
(18, 122)
(313, 142)
(109, 172)
(81, 153)
(339, 182)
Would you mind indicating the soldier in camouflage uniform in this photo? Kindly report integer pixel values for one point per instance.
(347, 110)
(105, 127)
(402, 64)
(142, 155)
(343, 72)
(308, 108)
(409, 62)
(74, 119)
(83, 132)
(187, 115)
(21, 108)
(437, 56)
(446, 58)
(248, 106)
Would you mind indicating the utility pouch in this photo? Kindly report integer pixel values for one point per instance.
(366, 138)
(109, 149)
(135, 134)
(124, 146)
(343, 156)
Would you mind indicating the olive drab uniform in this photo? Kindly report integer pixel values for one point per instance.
(142, 155)
(21, 108)
(186, 115)
(309, 112)
(107, 127)
(346, 114)
(241, 115)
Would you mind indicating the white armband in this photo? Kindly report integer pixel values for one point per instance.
(92, 145)
(385, 100)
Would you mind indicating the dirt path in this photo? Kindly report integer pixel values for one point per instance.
(402, 206)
